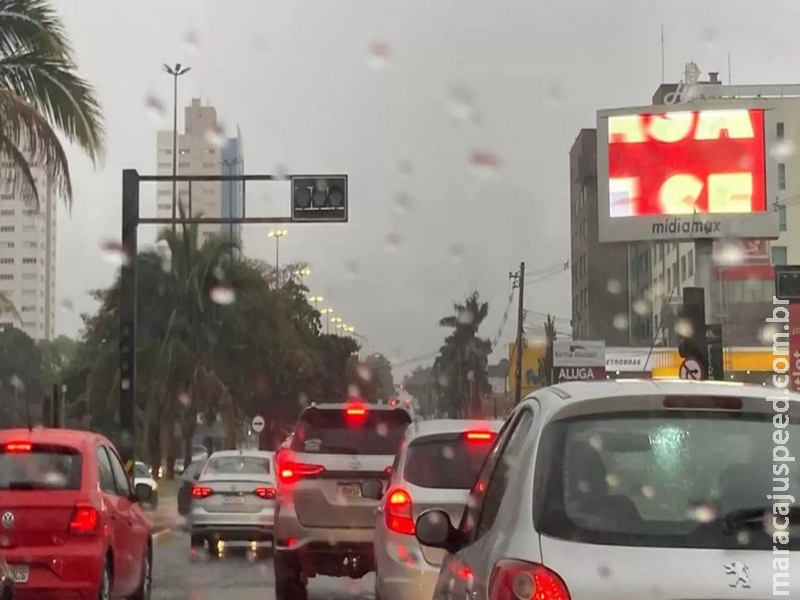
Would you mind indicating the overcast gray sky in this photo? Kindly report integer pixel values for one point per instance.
(298, 78)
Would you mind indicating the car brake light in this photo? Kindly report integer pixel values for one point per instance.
(356, 411)
(18, 447)
(479, 436)
(398, 512)
(267, 493)
(200, 492)
(517, 580)
(84, 519)
(291, 472)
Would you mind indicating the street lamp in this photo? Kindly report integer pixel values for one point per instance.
(176, 72)
(301, 273)
(277, 234)
(315, 300)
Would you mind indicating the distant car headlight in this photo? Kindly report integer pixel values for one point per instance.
(160, 472)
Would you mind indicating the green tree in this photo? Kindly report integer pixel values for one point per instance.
(546, 363)
(461, 367)
(57, 355)
(21, 390)
(42, 96)
(381, 380)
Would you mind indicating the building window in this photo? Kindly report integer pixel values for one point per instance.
(7, 228)
(7, 213)
(29, 308)
(184, 151)
(165, 207)
(7, 261)
(683, 267)
(184, 165)
(209, 165)
(782, 216)
(779, 130)
(779, 255)
(163, 165)
(690, 263)
(28, 261)
(781, 176)
(6, 276)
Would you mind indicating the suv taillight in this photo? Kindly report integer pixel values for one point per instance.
(84, 519)
(518, 580)
(200, 492)
(291, 471)
(398, 512)
(266, 493)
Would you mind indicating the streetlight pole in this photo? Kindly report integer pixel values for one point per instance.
(176, 72)
(316, 300)
(277, 234)
(327, 312)
(302, 273)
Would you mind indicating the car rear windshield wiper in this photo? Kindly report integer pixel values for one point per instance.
(758, 515)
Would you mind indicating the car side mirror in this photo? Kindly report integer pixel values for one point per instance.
(372, 489)
(433, 528)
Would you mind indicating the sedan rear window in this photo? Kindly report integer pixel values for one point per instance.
(37, 467)
(685, 478)
(329, 431)
(230, 465)
(445, 463)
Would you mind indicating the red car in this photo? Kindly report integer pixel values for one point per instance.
(70, 525)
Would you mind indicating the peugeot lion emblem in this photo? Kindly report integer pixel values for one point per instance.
(355, 463)
(7, 520)
(738, 571)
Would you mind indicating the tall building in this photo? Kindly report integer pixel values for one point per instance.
(202, 150)
(600, 295)
(28, 260)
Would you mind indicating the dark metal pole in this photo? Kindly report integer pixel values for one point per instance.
(520, 322)
(175, 144)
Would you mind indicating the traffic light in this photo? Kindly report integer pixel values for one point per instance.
(321, 198)
(692, 343)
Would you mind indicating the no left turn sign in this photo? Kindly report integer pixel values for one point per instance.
(258, 423)
(690, 369)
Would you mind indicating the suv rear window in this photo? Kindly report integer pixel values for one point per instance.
(665, 479)
(40, 467)
(333, 431)
(230, 465)
(445, 463)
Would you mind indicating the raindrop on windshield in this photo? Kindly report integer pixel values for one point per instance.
(281, 172)
(405, 168)
(393, 242)
(364, 372)
(461, 103)
(191, 42)
(614, 286)
(556, 95)
(465, 317)
(184, 399)
(378, 57)
(402, 204)
(731, 253)
(221, 294)
(484, 164)
(640, 307)
(113, 252)
(766, 333)
(782, 149)
(709, 37)
(353, 391)
(684, 328)
(621, 322)
(67, 304)
(456, 253)
(154, 108)
(352, 267)
(215, 136)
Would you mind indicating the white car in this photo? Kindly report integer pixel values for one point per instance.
(631, 489)
(145, 484)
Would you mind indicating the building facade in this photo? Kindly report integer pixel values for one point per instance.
(28, 260)
(202, 150)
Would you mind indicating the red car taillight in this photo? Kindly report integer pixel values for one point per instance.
(398, 512)
(266, 493)
(16, 447)
(291, 471)
(517, 580)
(84, 519)
(200, 491)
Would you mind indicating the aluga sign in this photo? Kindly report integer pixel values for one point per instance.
(579, 360)
(563, 374)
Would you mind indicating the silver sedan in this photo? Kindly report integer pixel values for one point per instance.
(233, 500)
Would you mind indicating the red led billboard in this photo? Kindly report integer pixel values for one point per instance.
(685, 162)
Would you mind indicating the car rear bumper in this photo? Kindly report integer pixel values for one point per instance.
(403, 573)
(290, 534)
(233, 526)
(73, 575)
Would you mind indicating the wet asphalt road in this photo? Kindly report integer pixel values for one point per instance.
(236, 575)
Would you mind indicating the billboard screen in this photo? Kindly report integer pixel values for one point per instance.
(685, 173)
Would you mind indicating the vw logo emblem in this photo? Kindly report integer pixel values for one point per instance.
(355, 464)
(7, 520)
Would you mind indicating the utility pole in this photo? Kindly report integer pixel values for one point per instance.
(518, 282)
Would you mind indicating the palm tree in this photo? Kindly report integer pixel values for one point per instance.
(546, 363)
(41, 95)
(464, 357)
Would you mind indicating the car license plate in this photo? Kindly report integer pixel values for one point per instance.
(351, 490)
(233, 500)
(19, 573)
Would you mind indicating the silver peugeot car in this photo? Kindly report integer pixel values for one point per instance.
(625, 490)
(233, 500)
(437, 465)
